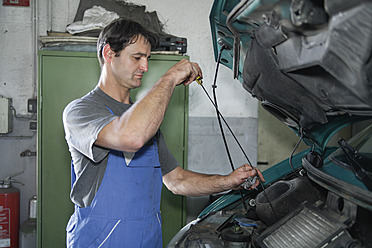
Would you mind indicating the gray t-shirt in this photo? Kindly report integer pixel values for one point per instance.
(83, 119)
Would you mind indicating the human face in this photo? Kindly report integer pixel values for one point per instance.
(131, 64)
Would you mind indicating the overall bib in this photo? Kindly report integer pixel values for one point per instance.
(125, 211)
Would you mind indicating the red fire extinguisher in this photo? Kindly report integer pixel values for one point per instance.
(9, 212)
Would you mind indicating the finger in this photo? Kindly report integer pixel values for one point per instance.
(246, 167)
(195, 70)
(198, 70)
(192, 76)
(253, 172)
(260, 176)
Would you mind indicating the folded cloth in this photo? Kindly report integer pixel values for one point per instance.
(94, 18)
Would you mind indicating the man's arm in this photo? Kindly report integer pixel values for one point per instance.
(136, 126)
(184, 182)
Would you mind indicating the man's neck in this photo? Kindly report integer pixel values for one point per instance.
(113, 89)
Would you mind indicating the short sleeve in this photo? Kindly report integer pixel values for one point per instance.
(167, 160)
(83, 120)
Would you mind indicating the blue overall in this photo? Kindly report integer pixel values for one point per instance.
(125, 211)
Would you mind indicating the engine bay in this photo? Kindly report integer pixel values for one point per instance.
(299, 213)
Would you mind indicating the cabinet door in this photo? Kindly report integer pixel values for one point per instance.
(63, 77)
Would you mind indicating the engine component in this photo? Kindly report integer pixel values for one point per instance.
(235, 237)
(285, 196)
(249, 182)
(307, 227)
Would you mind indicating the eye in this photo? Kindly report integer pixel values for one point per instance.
(137, 58)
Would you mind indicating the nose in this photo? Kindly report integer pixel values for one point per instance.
(144, 66)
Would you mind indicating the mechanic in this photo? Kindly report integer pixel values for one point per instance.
(119, 157)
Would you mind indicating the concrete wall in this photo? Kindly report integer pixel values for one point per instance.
(17, 81)
(190, 19)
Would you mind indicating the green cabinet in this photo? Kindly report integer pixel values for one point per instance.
(63, 77)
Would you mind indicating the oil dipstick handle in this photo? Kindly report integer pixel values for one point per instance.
(199, 80)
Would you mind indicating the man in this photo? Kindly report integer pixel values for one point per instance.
(119, 157)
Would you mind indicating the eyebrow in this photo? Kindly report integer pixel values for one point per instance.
(142, 55)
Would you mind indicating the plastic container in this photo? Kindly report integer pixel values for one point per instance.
(27, 232)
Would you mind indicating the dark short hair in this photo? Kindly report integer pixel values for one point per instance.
(120, 33)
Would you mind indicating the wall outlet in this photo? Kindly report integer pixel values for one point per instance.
(33, 125)
(5, 115)
(32, 105)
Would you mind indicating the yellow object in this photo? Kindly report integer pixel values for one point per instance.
(199, 80)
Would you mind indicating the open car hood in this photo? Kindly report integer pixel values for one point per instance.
(309, 63)
(306, 61)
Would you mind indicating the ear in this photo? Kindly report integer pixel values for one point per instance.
(107, 53)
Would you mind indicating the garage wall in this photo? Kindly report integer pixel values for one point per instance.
(18, 71)
(17, 81)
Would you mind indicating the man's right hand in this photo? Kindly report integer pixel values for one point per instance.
(184, 72)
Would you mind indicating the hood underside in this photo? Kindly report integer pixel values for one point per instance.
(304, 60)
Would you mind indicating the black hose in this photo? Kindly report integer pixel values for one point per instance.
(219, 117)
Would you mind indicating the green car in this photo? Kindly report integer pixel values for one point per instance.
(309, 63)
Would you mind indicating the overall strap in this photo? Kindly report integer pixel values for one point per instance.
(109, 109)
(73, 175)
